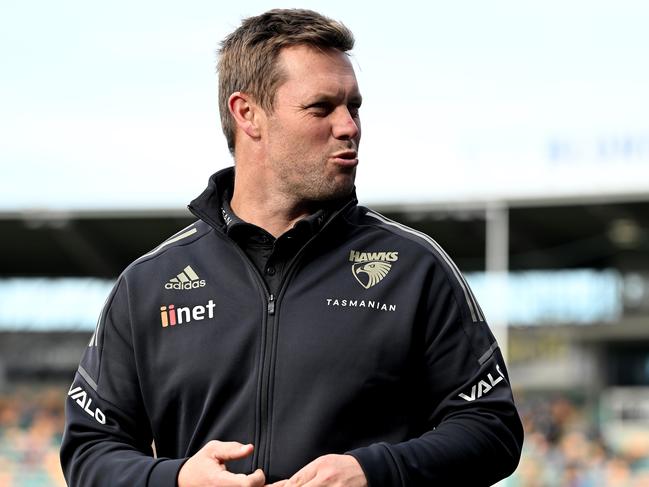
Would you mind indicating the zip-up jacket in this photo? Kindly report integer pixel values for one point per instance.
(374, 346)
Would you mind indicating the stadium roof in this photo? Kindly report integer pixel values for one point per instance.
(542, 235)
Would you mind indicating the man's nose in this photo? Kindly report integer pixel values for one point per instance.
(345, 125)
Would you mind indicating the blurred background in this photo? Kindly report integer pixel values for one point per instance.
(514, 133)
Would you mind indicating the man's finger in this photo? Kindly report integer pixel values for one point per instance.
(229, 479)
(257, 478)
(304, 475)
(224, 451)
(280, 483)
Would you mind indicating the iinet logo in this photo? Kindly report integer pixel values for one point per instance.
(172, 316)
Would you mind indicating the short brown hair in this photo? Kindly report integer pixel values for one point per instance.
(248, 56)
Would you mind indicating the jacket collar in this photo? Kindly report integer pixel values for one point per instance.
(208, 205)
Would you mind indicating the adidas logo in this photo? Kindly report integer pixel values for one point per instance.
(187, 279)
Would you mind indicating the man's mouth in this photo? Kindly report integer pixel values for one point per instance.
(346, 157)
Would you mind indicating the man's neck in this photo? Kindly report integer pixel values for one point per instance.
(268, 210)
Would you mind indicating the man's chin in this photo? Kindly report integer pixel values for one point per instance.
(337, 192)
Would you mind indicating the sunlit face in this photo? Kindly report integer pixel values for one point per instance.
(314, 130)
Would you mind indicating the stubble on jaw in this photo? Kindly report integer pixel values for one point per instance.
(302, 185)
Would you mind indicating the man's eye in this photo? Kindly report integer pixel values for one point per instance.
(321, 108)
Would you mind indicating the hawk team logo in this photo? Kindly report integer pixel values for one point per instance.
(370, 268)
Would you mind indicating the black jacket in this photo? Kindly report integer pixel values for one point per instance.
(374, 346)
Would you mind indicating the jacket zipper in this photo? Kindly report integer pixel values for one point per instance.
(261, 453)
(263, 394)
(263, 449)
(269, 310)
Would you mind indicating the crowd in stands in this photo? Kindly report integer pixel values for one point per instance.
(31, 425)
(562, 447)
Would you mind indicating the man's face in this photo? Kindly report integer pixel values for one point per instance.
(314, 130)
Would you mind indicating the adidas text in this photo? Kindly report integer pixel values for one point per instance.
(186, 280)
(185, 285)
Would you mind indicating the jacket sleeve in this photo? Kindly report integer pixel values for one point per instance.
(107, 438)
(473, 435)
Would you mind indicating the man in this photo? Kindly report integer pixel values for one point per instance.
(290, 336)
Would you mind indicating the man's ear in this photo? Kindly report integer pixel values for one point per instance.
(246, 113)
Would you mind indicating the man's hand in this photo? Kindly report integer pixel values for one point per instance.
(330, 471)
(207, 467)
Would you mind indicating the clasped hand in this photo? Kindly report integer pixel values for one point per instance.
(207, 468)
